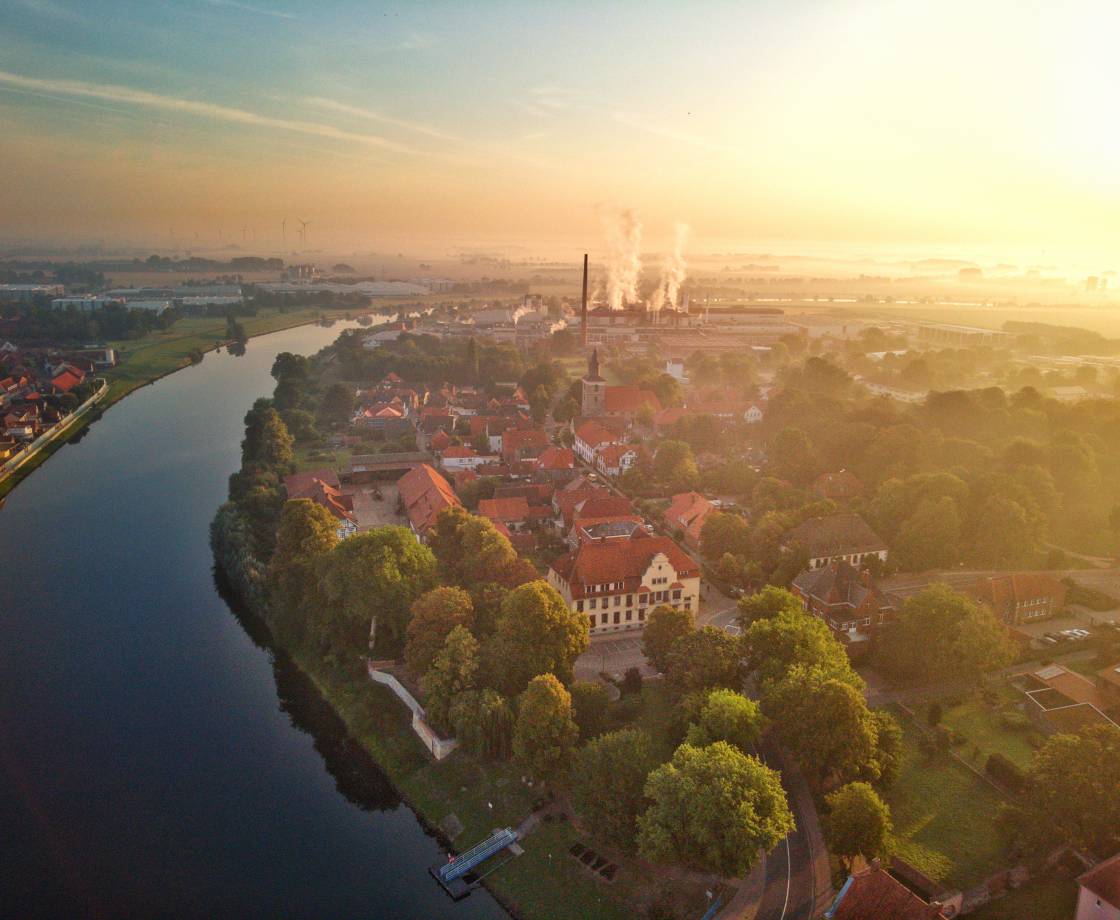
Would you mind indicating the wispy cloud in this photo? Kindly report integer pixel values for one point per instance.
(638, 123)
(249, 8)
(343, 108)
(108, 92)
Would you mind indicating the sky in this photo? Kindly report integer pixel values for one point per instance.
(946, 123)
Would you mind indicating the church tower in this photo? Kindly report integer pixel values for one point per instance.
(594, 388)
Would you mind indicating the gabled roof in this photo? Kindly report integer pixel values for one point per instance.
(66, 381)
(504, 509)
(440, 440)
(321, 487)
(623, 561)
(1001, 591)
(556, 458)
(529, 438)
(836, 534)
(602, 505)
(1103, 880)
(874, 894)
(594, 434)
(688, 511)
(842, 585)
(425, 493)
(629, 398)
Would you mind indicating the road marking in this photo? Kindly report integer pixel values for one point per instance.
(789, 879)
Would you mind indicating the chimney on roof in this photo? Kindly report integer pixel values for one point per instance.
(865, 578)
(583, 309)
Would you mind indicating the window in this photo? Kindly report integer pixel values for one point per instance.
(603, 619)
(688, 605)
(592, 619)
(629, 600)
(677, 595)
(629, 615)
(616, 617)
(593, 603)
(641, 614)
(618, 600)
(579, 606)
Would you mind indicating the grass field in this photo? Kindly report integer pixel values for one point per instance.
(983, 727)
(1041, 899)
(943, 817)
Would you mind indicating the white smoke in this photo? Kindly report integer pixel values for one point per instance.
(624, 256)
(672, 273)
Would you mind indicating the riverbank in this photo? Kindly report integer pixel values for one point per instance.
(144, 361)
(545, 882)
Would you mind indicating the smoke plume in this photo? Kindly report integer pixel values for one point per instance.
(624, 257)
(672, 273)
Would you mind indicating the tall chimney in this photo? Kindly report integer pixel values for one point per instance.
(583, 311)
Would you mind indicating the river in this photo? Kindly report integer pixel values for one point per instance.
(156, 758)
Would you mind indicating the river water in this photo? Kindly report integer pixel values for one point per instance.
(156, 758)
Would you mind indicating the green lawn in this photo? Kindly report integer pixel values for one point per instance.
(1041, 899)
(944, 817)
(982, 726)
(144, 360)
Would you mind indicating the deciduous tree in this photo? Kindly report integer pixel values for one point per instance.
(434, 615)
(608, 784)
(703, 659)
(858, 822)
(664, 626)
(727, 716)
(452, 673)
(537, 633)
(545, 735)
(714, 808)
(373, 576)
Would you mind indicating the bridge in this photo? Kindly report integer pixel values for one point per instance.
(451, 875)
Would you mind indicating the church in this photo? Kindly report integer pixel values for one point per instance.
(621, 401)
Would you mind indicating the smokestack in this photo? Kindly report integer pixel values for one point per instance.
(583, 309)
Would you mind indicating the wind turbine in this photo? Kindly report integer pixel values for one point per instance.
(303, 225)
(244, 232)
(284, 229)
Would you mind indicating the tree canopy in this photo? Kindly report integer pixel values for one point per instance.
(664, 626)
(942, 634)
(545, 734)
(713, 809)
(608, 784)
(434, 614)
(536, 633)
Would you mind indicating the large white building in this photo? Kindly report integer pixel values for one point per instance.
(85, 303)
(616, 583)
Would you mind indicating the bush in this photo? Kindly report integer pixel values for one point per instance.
(1016, 721)
(631, 682)
(1004, 772)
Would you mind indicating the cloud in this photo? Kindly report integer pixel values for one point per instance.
(683, 137)
(249, 8)
(108, 92)
(344, 109)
